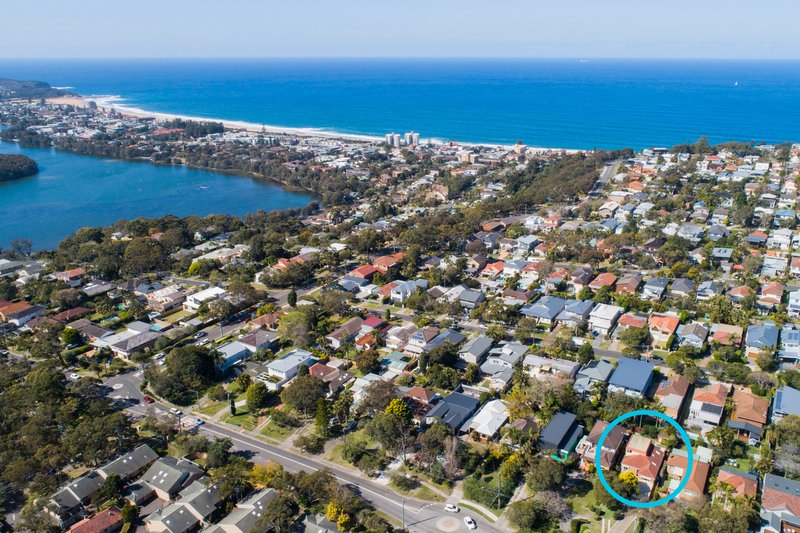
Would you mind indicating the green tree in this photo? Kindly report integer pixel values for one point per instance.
(322, 418)
(257, 396)
(303, 392)
(291, 298)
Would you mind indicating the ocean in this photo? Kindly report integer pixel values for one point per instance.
(549, 103)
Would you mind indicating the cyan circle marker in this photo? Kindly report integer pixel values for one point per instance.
(689, 459)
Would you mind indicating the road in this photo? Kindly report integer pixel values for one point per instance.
(420, 516)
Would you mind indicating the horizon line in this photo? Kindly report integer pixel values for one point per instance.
(449, 58)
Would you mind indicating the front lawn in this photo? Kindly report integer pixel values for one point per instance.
(242, 418)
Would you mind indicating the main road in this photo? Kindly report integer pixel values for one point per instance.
(418, 516)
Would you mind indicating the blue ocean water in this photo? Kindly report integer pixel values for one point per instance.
(73, 191)
(551, 103)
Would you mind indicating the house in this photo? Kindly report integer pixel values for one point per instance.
(334, 378)
(488, 421)
(545, 310)
(561, 435)
(708, 289)
(603, 318)
(403, 290)
(611, 451)
(780, 505)
(194, 301)
(501, 361)
(671, 392)
(129, 465)
(644, 459)
(575, 313)
(260, 339)
(629, 283)
(787, 402)
(655, 288)
(106, 521)
(453, 411)
(345, 333)
(165, 478)
(286, 366)
(632, 377)
(750, 414)
(137, 337)
(790, 344)
(580, 277)
(318, 523)
(537, 366)
(662, 328)
(760, 339)
(471, 298)
(693, 335)
(771, 296)
(420, 339)
(475, 350)
(741, 483)
(606, 279)
(66, 504)
(682, 287)
(708, 406)
(166, 299)
(698, 478)
(197, 503)
(793, 307)
(243, 519)
(231, 353)
(595, 372)
(20, 313)
(726, 335)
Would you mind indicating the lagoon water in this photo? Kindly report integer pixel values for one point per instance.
(563, 103)
(73, 191)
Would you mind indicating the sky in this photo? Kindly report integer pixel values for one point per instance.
(731, 29)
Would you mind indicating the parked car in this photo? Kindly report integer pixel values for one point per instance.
(175, 411)
(470, 522)
(74, 376)
(450, 508)
(148, 399)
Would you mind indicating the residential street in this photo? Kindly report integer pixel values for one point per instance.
(419, 516)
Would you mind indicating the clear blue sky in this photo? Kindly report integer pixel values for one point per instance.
(402, 28)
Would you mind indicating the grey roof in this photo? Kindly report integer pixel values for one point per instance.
(787, 400)
(78, 491)
(203, 499)
(683, 285)
(453, 337)
(471, 295)
(547, 308)
(560, 432)
(454, 409)
(175, 517)
(248, 511)
(130, 463)
(699, 330)
(478, 346)
(171, 475)
(632, 374)
(656, 283)
(765, 336)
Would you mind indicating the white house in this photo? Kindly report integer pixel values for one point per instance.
(194, 301)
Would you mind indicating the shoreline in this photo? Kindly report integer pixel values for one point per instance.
(111, 102)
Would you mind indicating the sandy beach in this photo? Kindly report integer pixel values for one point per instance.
(117, 103)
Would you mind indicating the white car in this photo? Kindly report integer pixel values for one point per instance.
(74, 376)
(175, 411)
(450, 508)
(470, 522)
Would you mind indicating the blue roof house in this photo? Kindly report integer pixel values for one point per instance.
(632, 377)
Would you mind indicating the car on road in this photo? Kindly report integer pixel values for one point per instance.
(450, 508)
(470, 523)
(159, 356)
(199, 334)
(175, 411)
(74, 376)
(148, 399)
(199, 421)
(203, 342)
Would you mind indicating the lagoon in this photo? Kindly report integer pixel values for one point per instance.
(73, 191)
